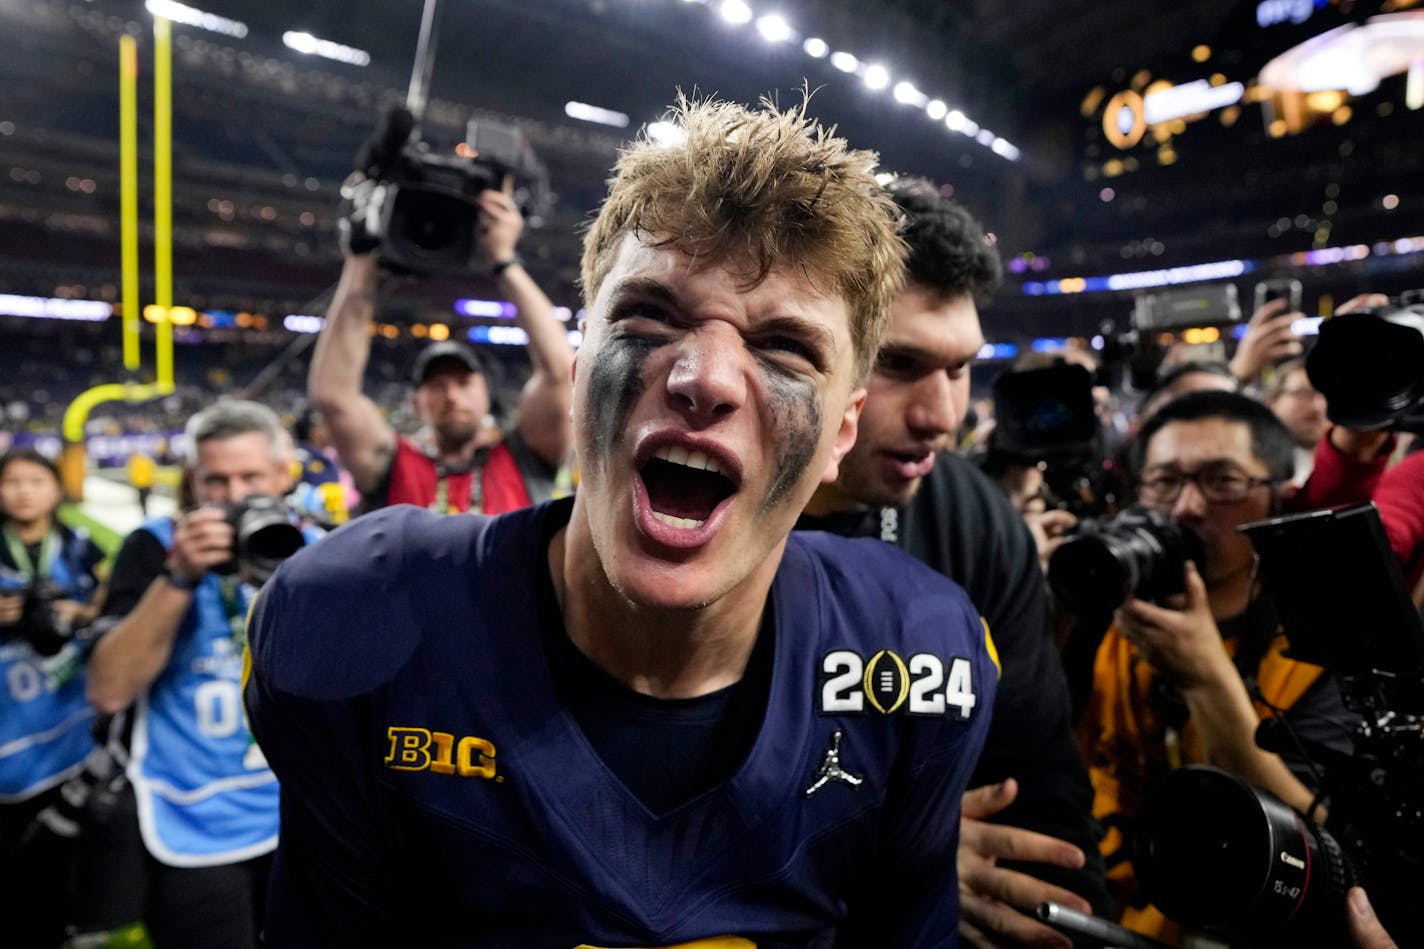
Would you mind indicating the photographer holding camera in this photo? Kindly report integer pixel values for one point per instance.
(1188, 679)
(187, 850)
(49, 587)
(446, 467)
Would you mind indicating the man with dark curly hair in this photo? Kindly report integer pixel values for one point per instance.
(900, 483)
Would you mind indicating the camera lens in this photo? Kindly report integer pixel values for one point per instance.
(1367, 365)
(1213, 852)
(1090, 576)
(1141, 552)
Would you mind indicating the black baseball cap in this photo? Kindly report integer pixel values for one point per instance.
(446, 350)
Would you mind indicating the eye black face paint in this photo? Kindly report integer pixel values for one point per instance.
(615, 383)
(795, 408)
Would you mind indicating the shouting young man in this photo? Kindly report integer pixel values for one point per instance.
(645, 717)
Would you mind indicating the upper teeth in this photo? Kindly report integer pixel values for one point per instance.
(690, 457)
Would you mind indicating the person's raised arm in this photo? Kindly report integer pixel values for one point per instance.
(544, 402)
(364, 441)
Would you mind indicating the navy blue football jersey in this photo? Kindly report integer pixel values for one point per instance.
(435, 791)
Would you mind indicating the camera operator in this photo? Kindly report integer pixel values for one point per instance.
(1188, 679)
(446, 467)
(188, 847)
(49, 587)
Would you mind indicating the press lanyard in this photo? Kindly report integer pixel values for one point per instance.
(441, 504)
(21, 554)
(230, 587)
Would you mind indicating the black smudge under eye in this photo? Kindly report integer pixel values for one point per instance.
(615, 383)
(795, 408)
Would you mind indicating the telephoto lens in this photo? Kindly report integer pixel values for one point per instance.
(1141, 552)
(1214, 853)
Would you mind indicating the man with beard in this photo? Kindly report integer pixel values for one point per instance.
(899, 483)
(447, 467)
(646, 715)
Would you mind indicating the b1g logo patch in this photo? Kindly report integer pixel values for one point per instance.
(923, 685)
(420, 749)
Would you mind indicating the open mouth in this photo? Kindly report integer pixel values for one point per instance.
(684, 486)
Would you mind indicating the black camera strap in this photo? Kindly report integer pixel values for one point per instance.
(20, 554)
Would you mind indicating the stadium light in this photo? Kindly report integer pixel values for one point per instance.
(666, 133)
(592, 113)
(907, 93)
(735, 12)
(845, 62)
(816, 48)
(876, 77)
(936, 109)
(203, 20)
(311, 45)
(774, 28)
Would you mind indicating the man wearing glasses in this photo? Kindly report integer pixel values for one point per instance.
(1188, 680)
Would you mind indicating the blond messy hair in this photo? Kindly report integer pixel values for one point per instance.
(771, 188)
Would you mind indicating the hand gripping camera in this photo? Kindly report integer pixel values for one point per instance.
(265, 533)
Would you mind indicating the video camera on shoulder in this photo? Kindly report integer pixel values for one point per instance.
(265, 532)
(417, 208)
(1369, 365)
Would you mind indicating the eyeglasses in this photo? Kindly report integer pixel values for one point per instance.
(1218, 483)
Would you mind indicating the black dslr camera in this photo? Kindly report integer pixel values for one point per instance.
(39, 624)
(1370, 366)
(419, 207)
(1142, 552)
(265, 533)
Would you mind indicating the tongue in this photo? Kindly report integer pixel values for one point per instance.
(680, 491)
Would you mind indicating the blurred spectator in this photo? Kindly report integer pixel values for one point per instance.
(1301, 410)
(1181, 378)
(446, 467)
(188, 850)
(49, 587)
(142, 470)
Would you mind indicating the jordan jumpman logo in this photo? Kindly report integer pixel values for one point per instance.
(831, 769)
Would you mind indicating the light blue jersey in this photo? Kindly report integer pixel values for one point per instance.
(44, 717)
(205, 794)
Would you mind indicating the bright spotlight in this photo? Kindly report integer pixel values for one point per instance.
(736, 12)
(876, 77)
(936, 109)
(955, 120)
(774, 29)
(816, 47)
(845, 62)
(906, 92)
(666, 133)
